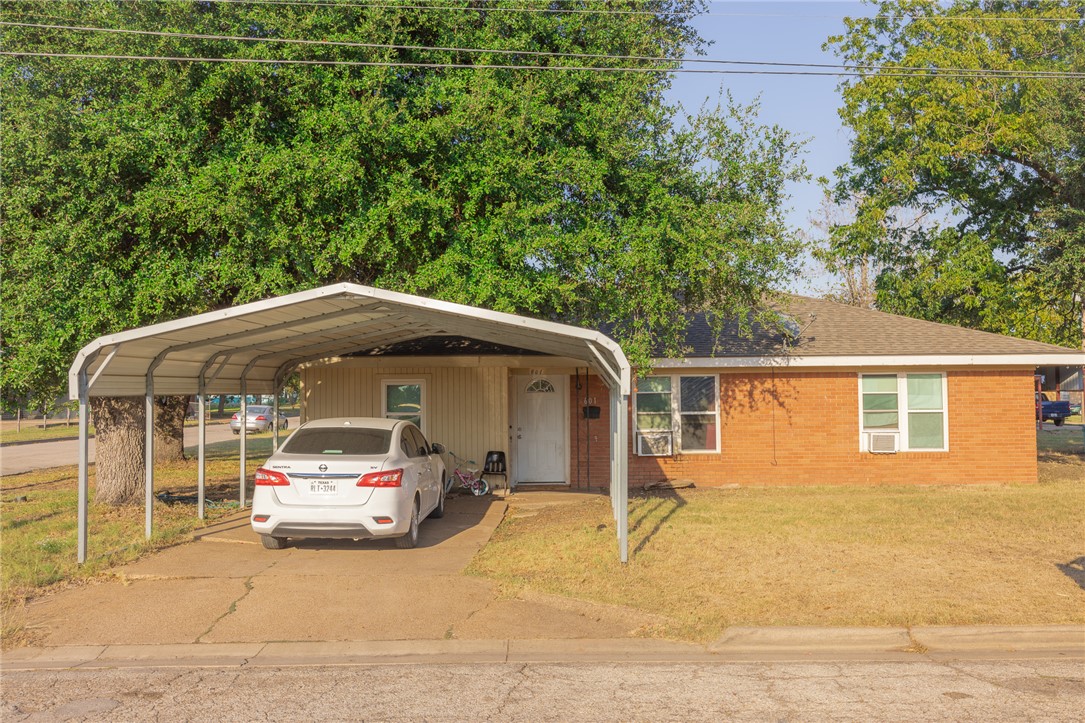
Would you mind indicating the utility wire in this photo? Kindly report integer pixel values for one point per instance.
(590, 11)
(932, 73)
(532, 53)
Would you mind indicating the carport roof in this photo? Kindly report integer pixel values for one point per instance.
(261, 342)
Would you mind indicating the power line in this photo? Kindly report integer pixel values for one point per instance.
(591, 11)
(532, 53)
(933, 73)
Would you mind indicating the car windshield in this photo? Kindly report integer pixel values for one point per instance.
(258, 410)
(338, 441)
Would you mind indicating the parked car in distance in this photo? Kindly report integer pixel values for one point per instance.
(1054, 410)
(258, 419)
(349, 478)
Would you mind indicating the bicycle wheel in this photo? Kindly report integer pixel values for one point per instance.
(480, 487)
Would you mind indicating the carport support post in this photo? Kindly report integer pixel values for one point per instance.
(148, 454)
(275, 420)
(243, 416)
(622, 459)
(84, 461)
(201, 477)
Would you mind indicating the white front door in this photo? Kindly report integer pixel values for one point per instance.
(539, 436)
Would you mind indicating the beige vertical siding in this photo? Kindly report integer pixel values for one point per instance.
(466, 407)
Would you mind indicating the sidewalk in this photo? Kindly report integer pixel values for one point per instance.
(938, 644)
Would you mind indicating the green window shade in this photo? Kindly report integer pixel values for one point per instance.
(654, 384)
(884, 383)
(650, 421)
(925, 391)
(879, 402)
(925, 430)
(654, 403)
(880, 420)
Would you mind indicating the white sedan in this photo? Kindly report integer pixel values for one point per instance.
(351, 478)
(257, 419)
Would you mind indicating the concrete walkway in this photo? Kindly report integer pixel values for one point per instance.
(224, 600)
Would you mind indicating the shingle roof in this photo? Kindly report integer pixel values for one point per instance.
(827, 328)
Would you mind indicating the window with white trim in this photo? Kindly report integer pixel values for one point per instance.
(911, 407)
(677, 413)
(404, 399)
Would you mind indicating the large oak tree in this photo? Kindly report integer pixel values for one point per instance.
(970, 187)
(139, 190)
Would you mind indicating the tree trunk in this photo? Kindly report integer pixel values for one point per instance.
(119, 435)
(169, 428)
(222, 405)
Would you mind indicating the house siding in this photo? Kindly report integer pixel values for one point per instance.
(786, 427)
(466, 407)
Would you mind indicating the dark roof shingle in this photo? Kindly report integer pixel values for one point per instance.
(828, 328)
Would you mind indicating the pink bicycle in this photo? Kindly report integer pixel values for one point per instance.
(469, 477)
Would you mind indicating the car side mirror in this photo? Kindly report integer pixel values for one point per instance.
(438, 448)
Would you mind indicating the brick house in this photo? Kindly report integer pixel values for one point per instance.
(841, 396)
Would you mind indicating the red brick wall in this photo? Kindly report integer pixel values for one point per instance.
(798, 427)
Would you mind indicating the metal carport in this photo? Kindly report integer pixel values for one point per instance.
(253, 348)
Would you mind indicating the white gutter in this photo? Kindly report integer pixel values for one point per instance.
(939, 360)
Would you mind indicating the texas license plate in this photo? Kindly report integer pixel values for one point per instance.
(322, 487)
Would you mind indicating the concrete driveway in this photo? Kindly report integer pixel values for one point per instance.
(226, 588)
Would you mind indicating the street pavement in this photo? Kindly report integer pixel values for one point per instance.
(628, 690)
(15, 459)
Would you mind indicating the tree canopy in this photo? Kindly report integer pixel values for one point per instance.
(970, 188)
(143, 190)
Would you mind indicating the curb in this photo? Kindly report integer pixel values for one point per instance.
(4, 445)
(737, 645)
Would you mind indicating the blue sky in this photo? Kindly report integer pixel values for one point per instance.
(806, 105)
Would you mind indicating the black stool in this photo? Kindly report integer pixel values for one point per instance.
(495, 466)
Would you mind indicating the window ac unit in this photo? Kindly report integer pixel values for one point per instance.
(883, 442)
(654, 444)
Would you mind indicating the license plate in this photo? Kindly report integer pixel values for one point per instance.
(323, 487)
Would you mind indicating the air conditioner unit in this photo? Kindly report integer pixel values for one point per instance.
(654, 444)
(883, 442)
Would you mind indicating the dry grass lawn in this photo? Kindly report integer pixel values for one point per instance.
(38, 519)
(706, 559)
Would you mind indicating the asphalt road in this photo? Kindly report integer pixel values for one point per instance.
(1049, 690)
(40, 455)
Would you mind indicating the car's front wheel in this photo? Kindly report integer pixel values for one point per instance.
(408, 541)
(273, 543)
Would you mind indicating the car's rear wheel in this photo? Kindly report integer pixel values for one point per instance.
(1059, 422)
(408, 541)
(273, 543)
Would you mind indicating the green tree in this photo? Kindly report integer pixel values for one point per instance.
(991, 166)
(138, 191)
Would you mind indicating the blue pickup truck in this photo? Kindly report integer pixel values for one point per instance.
(1054, 411)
